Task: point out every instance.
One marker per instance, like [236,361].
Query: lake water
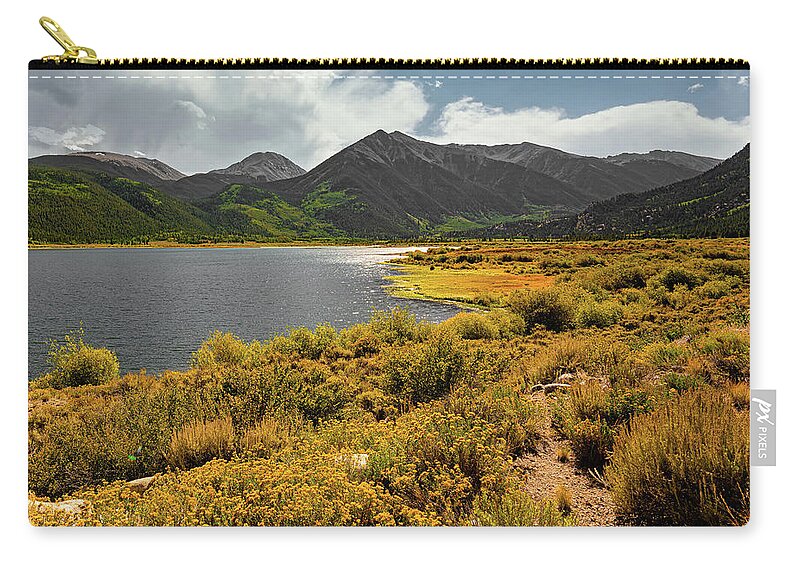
[154,307]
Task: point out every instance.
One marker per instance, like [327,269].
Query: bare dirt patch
[543,473]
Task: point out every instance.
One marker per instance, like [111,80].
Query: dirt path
[543,473]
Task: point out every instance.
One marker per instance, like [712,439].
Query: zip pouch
[381,292]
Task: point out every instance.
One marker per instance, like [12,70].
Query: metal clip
[72,53]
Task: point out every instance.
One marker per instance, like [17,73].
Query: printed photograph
[410,297]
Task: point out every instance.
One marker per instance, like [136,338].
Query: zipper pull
[72,52]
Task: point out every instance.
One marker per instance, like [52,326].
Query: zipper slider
[72,52]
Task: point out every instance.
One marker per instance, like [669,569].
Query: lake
[154,307]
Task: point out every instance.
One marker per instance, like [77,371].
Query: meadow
[588,383]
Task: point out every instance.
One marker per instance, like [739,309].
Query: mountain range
[715,203]
[386,185]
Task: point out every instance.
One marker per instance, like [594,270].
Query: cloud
[195,111]
[349,110]
[744,81]
[641,127]
[75,139]
[310,119]
[696,87]
[197,125]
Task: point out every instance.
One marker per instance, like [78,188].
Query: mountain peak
[263,165]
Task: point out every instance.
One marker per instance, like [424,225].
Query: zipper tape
[383,63]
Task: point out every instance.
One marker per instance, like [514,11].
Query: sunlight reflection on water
[153,307]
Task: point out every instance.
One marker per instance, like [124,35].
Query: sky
[200,120]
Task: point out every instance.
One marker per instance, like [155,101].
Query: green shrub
[75,363]
[509,325]
[685,464]
[83,447]
[397,326]
[225,350]
[426,371]
[587,260]
[624,403]
[728,353]
[472,326]
[321,400]
[601,315]
[304,343]
[667,356]
[737,268]
[680,297]
[674,276]
[361,339]
[618,277]
[715,289]
[498,323]
[553,308]
[682,382]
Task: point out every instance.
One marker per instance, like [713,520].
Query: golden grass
[461,285]
[563,499]
[686,463]
[200,442]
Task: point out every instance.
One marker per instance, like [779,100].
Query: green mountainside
[251,211]
[73,207]
[385,186]
[66,206]
[713,204]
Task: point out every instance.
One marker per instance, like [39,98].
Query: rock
[565,378]
[69,507]
[360,460]
[140,485]
[357,461]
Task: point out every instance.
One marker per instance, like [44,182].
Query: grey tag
[762,427]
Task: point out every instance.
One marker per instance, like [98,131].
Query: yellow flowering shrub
[309,491]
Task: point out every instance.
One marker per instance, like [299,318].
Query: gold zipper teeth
[387,63]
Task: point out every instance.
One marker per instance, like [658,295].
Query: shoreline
[163,244]
[224,245]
